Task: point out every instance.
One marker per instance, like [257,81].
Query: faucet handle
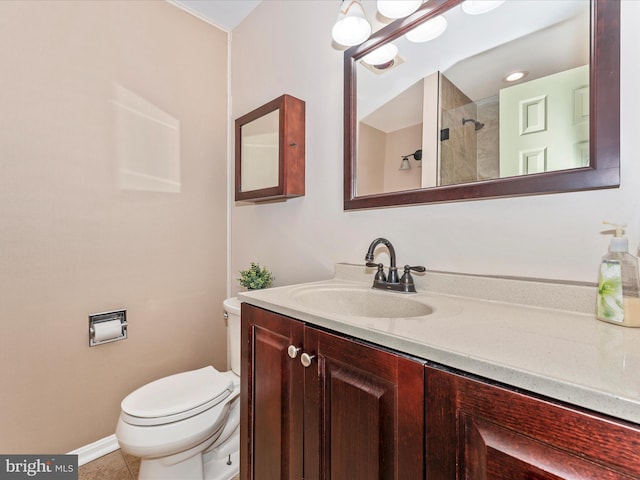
[417,268]
[407,280]
[380,276]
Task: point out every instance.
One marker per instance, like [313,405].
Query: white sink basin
[360,302]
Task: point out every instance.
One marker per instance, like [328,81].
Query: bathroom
[76,238]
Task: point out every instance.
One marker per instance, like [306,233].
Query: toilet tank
[232,309]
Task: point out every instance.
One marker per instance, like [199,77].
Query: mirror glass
[443,116]
[260,154]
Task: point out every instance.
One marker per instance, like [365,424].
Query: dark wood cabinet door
[364,412]
[271,428]
[476,431]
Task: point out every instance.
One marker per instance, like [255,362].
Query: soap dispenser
[618,284]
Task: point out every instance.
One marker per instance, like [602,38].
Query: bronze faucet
[391,282]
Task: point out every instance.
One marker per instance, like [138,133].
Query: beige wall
[402,142]
[380,154]
[87,90]
[550,236]
[371,159]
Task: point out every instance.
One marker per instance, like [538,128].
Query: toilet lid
[177,396]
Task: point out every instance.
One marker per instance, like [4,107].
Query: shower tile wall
[469,154]
[488,140]
[458,154]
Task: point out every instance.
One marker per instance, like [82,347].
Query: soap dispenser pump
[618,284]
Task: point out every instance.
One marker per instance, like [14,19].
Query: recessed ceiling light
[478,7]
[515,76]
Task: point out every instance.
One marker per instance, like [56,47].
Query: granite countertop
[537,335]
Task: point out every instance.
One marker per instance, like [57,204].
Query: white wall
[550,236]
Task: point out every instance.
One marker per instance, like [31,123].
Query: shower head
[477,124]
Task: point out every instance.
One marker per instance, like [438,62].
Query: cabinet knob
[306,359]
[292,351]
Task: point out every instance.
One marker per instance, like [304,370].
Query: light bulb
[381,55]
[398,8]
[352,27]
[428,30]
[404,164]
[478,7]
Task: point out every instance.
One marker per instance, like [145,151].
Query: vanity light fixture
[351,27]
[382,55]
[405,165]
[428,30]
[515,76]
[398,8]
[478,7]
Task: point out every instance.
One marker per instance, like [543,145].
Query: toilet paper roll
[107,330]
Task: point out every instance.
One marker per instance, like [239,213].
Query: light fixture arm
[417,155]
[345,11]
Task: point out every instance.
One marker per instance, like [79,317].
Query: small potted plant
[255,277]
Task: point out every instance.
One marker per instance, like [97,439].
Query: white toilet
[186,426]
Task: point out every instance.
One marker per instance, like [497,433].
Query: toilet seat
[173,439]
[176,397]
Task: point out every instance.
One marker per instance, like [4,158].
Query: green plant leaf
[255,277]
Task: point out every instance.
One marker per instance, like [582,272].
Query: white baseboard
[96,449]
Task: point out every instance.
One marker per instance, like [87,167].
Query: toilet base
[218,469]
[190,469]
[223,462]
[220,463]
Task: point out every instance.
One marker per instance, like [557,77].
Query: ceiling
[226,14]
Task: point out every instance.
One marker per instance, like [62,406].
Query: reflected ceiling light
[515,76]
[478,7]
[428,30]
[398,8]
[381,55]
[351,27]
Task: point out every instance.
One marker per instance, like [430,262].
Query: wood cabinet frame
[604,84]
[291,150]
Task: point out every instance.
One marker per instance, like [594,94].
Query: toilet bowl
[186,426]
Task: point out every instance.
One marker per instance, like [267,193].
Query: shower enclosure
[469,136]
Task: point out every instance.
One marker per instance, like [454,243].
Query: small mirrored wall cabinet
[270,151]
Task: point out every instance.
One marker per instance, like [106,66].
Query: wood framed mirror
[594,110]
[270,151]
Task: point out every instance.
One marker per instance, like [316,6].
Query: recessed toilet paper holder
[107,327]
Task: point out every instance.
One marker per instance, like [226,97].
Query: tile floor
[114,466]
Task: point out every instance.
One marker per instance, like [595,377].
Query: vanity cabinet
[360,412]
[478,431]
[356,412]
